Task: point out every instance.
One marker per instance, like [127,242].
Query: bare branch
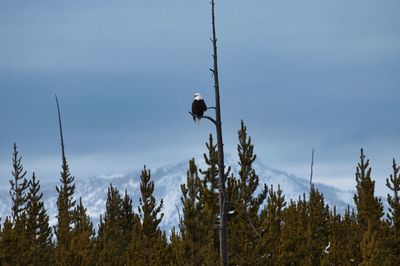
[205,117]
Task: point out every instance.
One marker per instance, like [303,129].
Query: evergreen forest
[264,227]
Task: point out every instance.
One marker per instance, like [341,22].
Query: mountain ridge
[168,179]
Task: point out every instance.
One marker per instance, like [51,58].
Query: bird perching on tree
[198,107]
[223,226]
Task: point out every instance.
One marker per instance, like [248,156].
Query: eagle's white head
[198,97]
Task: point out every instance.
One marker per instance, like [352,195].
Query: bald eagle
[198,107]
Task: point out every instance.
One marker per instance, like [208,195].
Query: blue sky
[322,74]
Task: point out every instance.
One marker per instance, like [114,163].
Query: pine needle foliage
[18,189]
[369,207]
[82,240]
[39,233]
[7,243]
[193,229]
[271,218]
[393,183]
[110,241]
[246,204]
[393,216]
[149,244]
[19,185]
[263,228]
[65,205]
[317,230]
[209,202]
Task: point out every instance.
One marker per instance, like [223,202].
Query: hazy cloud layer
[307,74]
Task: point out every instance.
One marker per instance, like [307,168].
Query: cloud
[321,75]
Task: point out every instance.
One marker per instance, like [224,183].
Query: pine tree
[369,213]
[271,218]
[369,207]
[333,251]
[110,239]
[18,190]
[1,244]
[177,247]
[149,243]
[344,245]
[352,236]
[65,205]
[293,241]
[317,233]
[192,228]
[128,219]
[198,241]
[393,216]
[246,205]
[7,243]
[82,246]
[19,185]
[209,200]
[197,228]
[39,234]
[248,179]
[372,250]
[393,183]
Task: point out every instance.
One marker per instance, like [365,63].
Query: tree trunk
[223,229]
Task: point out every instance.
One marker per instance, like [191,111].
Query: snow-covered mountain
[167,180]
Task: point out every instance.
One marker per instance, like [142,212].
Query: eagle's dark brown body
[198,109]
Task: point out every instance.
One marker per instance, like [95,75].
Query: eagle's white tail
[197,120]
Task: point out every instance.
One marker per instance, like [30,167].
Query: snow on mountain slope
[167,187]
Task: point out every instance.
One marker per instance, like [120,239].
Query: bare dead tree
[60,128]
[223,229]
[312,165]
[223,226]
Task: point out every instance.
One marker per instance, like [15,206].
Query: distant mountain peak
[168,179]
